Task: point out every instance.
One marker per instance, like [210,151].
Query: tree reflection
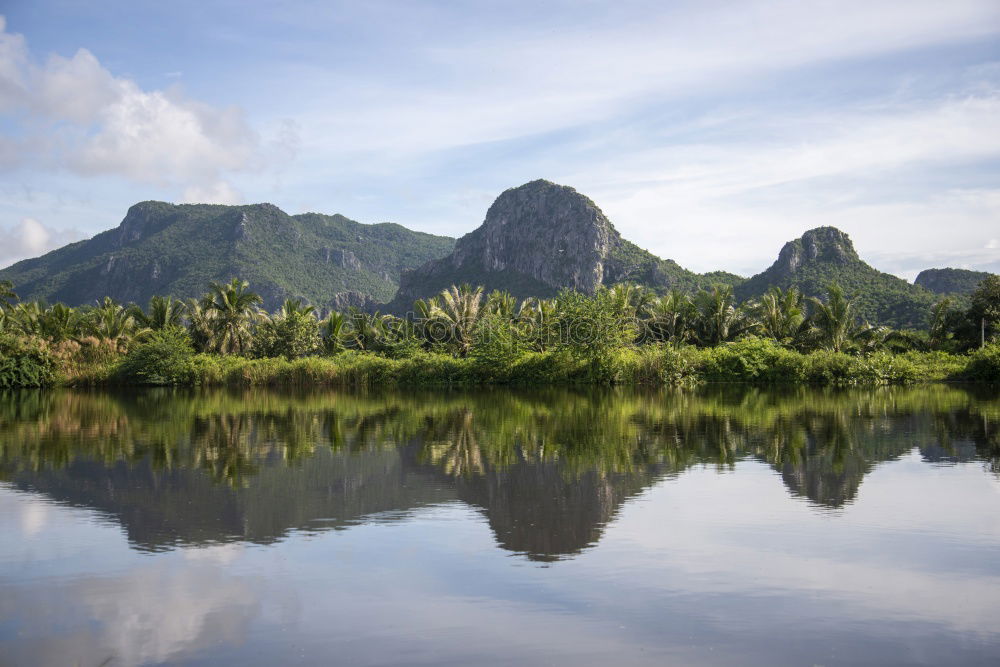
[549,467]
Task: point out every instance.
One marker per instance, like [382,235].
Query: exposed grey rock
[536,239]
[343,258]
[827,244]
[547,231]
[343,300]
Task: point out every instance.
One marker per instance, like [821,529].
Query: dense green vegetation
[162,248]
[824,256]
[950,281]
[626,334]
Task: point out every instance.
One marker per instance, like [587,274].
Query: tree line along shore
[620,335]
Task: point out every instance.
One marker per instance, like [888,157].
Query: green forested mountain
[951,281]
[542,237]
[535,240]
[826,255]
[177,250]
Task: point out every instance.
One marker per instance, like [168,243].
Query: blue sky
[709,133]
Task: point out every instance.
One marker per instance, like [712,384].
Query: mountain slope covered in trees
[535,240]
[177,250]
[826,255]
[951,281]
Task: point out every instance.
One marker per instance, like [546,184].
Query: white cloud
[73,112]
[733,204]
[219,192]
[532,78]
[30,238]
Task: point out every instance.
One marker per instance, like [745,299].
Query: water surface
[565,527]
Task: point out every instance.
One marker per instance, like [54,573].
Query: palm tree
[629,299]
[428,320]
[235,309]
[26,318]
[199,323]
[538,318]
[113,324]
[461,307]
[718,319]
[781,314]
[293,307]
[669,319]
[834,323]
[164,311]
[7,295]
[332,332]
[940,329]
[502,304]
[365,331]
[59,323]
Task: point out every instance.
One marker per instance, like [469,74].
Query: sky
[709,132]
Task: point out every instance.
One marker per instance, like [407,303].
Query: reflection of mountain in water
[548,469]
[535,509]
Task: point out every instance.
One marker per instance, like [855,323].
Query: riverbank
[753,361]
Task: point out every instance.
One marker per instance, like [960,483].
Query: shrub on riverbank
[166,358]
[984,364]
[748,361]
[26,362]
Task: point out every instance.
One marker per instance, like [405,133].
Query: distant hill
[825,255]
[542,237]
[951,281]
[161,248]
[535,240]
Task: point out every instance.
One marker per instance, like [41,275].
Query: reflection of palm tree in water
[222,446]
[458,452]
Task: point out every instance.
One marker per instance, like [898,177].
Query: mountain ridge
[951,281]
[826,255]
[177,249]
[536,239]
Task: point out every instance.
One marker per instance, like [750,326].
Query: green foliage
[885,368]
[162,312]
[292,333]
[950,281]
[718,320]
[165,358]
[622,335]
[171,249]
[7,295]
[752,360]
[984,311]
[496,345]
[231,310]
[834,323]
[26,362]
[781,315]
[591,327]
[826,367]
[936,366]
[984,364]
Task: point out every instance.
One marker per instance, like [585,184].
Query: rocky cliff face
[537,239]
[823,244]
[549,232]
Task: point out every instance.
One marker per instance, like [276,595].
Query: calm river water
[561,527]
